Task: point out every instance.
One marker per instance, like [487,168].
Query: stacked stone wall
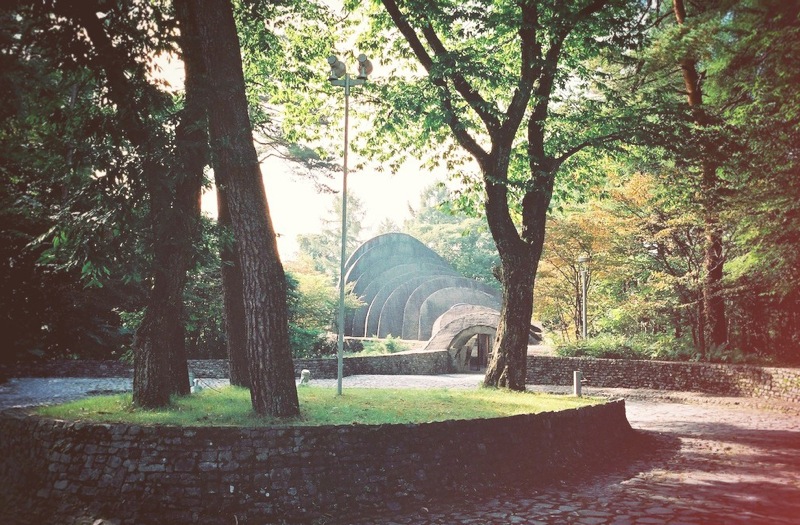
[141,475]
[719,379]
[403,363]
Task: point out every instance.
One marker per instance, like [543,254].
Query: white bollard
[576,383]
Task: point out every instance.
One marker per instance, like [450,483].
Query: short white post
[576,383]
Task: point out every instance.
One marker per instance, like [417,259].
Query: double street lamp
[340,77]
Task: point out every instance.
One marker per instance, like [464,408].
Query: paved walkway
[719,461]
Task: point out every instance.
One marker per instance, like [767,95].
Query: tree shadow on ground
[641,452]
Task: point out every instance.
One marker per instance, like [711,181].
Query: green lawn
[320,406]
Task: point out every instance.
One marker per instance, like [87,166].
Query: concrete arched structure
[411,292]
[391,316]
[371,282]
[459,312]
[390,245]
[442,300]
[388,282]
[385,238]
[457,326]
[368,264]
[411,311]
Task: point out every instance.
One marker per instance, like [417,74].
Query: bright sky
[295,204]
[297,207]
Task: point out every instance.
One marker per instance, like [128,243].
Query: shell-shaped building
[411,292]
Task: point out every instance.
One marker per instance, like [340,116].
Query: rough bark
[508,366]
[233,305]
[713,303]
[272,386]
[233,301]
[160,368]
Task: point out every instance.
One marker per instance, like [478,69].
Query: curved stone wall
[719,379]
[148,475]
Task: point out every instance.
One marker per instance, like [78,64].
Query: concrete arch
[442,300]
[462,311]
[374,242]
[358,322]
[375,262]
[388,282]
[391,316]
[461,338]
[378,259]
[376,256]
[470,320]
[378,249]
[395,275]
[411,311]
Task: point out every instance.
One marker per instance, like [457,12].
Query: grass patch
[230,406]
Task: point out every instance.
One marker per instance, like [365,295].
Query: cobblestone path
[720,465]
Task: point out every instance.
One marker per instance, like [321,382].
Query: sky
[297,207]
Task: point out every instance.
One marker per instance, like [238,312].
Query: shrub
[390,345]
[640,346]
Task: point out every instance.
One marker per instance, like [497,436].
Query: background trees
[97,195]
[495,77]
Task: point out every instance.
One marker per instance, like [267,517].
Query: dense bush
[627,347]
[390,345]
[311,343]
[645,346]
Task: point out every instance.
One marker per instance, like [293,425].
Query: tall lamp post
[583,261]
[340,77]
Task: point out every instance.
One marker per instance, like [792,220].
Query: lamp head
[338,68]
[364,66]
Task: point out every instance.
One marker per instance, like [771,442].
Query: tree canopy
[661,141]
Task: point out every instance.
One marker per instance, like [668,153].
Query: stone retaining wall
[411,363]
[719,379]
[141,475]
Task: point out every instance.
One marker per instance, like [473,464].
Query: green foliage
[203,299]
[463,241]
[313,307]
[389,345]
[284,46]
[654,347]
[639,346]
[231,406]
[324,249]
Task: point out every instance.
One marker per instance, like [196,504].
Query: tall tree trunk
[713,303]
[160,367]
[233,304]
[272,386]
[508,366]
[519,259]
[233,300]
